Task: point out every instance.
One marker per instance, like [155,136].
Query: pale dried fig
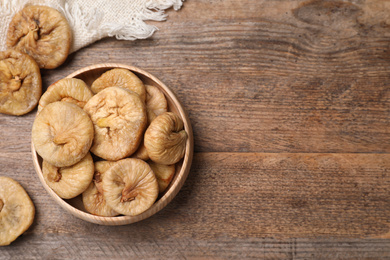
[130,187]
[62,133]
[93,199]
[164,174]
[20,83]
[156,104]
[165,139]
[119,78]
[69,182]
[141,152]
[69,89]
[16,210]
[119,119]
[43,33]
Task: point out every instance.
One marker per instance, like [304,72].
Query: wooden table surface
[290,106]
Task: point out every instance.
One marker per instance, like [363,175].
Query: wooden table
[290,106]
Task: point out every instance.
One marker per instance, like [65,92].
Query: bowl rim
[174,187]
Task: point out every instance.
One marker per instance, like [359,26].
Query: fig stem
[33,26]
[97,177]
[183,133]
[127,199]
[128,194]
[34,29]
[15,86]
[60,139]
[1,205]
[55,176]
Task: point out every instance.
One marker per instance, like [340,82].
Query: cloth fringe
[88,24]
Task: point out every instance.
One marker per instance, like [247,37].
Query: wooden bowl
[75,205]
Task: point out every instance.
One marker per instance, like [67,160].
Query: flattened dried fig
[43,33]
[119,118]
[62,133]
[156,104]
[70,90]
[164,174]
[20,83]
[165,139]
[69,182]
[16,210]
[119,78]
[130,186]
[93,199]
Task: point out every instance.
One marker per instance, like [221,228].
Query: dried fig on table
[20,83]
[165,139]
[62,133]
[156,104]
[93,198]
[164,174]
[119,78]
[70,90]
[69,182]
[130,187]
[43,33]
[119,119]
[16,210]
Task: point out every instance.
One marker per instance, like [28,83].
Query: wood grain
[290,106]
[245,204]
[291,82]
[268,195]
[221,248]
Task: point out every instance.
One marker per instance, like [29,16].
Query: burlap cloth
[92,20]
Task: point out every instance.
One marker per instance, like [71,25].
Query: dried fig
[20,83]
[156,104]
[130,186]
[119,118]
[164,174]
[141,152]
[16,210]
[70,90]
[119,78]
[93,199]
[165,139]
[69,182]
[62,133]
[43,33]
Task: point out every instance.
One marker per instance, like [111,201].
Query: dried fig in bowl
[119,119]
[164,174]
[93,198]
[130,187]
[70,90]
[43,33]
[156,103]
[20,83]
[165,139]
[120,78]
[141,152]
[62,133]
[69,182]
